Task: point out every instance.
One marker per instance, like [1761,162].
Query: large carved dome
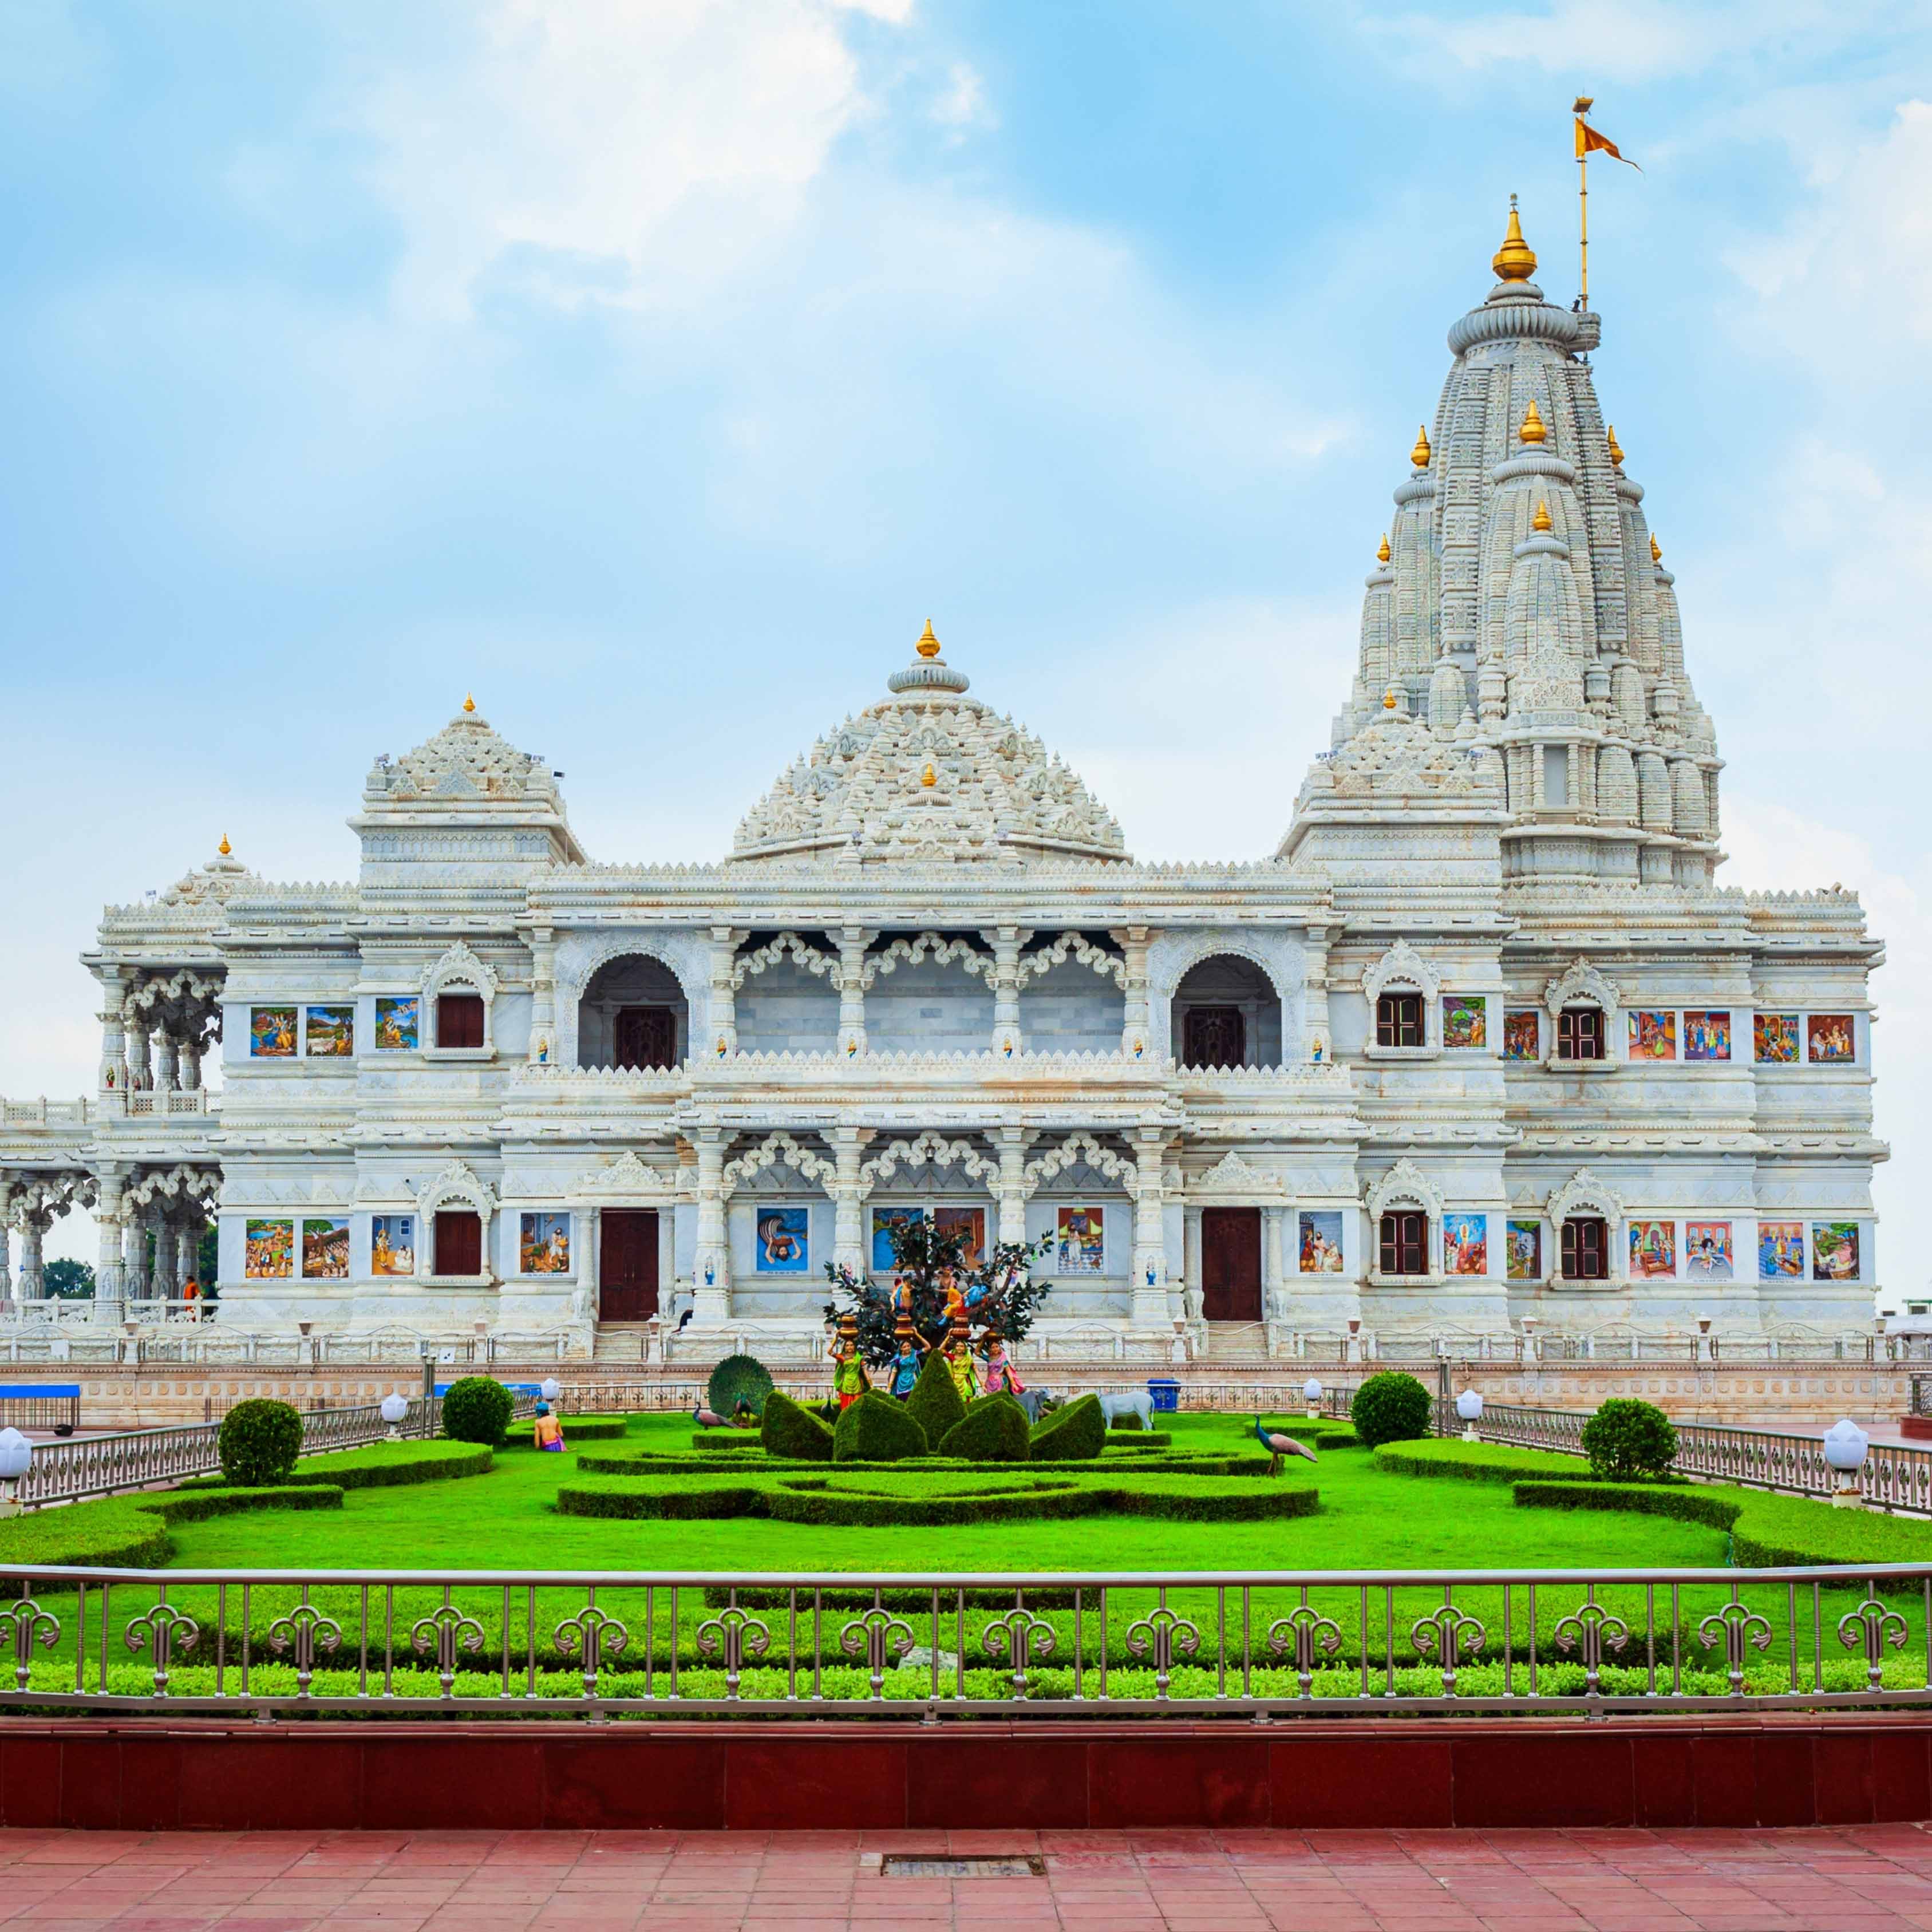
[930,774]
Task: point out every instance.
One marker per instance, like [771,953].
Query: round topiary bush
[995,1430]
[793,1433]
[1627,1438]
[260,1442]
[1077,1433]
[1129,1418]
[477,1409]
[1390,1408]
[876,1429]
[738,1378]
[935,1403]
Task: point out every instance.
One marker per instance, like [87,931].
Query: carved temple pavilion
[1482,1046]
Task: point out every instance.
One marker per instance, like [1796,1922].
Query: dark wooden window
[1580,1033]
[1214,1036]
[459,1019]
[1586,1248]
[459,1242]
[646,1036]
[1405,1243]
[1398,1020]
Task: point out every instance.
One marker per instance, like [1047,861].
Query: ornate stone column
[1008,1039]
[1190,1250]
[166,1063]
[6,1238]
[1150,1281]
[188,1252]
[1136,1032]
[1011,1191]
[853,940]
[113,1076]
[543,997]
[140,1075]
[34,1222]
[191,1064]
[134,1253]
[167,1284]
[1317,1041]
[723,1036]
[711,1268]
[848,1199]
[107,1272]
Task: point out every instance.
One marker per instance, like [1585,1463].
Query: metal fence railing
[1253,1645]
[40,1405]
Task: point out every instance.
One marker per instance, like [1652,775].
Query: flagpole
[1581,108]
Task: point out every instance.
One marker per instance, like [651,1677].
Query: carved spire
[1515,261]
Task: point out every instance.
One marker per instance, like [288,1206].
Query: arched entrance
[1226,1013]
[633,1014]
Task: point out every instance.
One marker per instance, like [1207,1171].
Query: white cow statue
[1141,1404]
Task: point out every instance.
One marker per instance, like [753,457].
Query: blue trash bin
[1166,1394]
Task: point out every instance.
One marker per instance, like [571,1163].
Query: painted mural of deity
[1834,1251]
[324,1250]
[970,1224]
[1707,1036]
[1523,1034]
[1321,1242]
[270,1254]
[1653,1036]
[1465,1020]
[1466,1244]
[543,1244]
[1707,1250]
[271,1033]
[392,1244]
[1523,1245]
[1775,1038]
[1832,1038]
[784,1240]
[1780,1250]
[1080,1244]
[398,1025]
[1653,1248]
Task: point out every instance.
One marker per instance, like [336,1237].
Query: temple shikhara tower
[1484,1047]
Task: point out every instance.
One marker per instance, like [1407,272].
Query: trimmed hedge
[712,1440]
[1773,1530]
[1625,1439]
[379,1465]
[477,1409]
[1686,1502]
[576,1429]
[1391,1408]
[259,1441]
[994,1430]
[935,1403]
[647,1463]
[876,1429]
[1076,1433]
[1481,1461]
[792,1431]
[1138,1441]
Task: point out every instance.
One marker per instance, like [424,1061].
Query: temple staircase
[1236,1341]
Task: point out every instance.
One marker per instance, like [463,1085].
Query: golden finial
[1540,521]
[928,646]
[1382,549]
[1388,699]
[1419,455]
[928,776]
[1616,448]
[1515,261]
[468,703]
[224,848]
[1532,429]
[1656,549]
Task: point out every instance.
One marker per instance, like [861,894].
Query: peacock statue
[1278,1446]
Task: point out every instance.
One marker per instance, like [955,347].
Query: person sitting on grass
[549,1430]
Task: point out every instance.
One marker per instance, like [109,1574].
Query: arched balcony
[1226,1012]
[633,1014]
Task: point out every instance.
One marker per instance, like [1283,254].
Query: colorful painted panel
[1780,1250]
[1653,1036]
[543,1244]
[392,1244]
[1832,1039]
[1834,1251]
[1466,1244]
[1465,1020]
[1707,1036]
[968,1222]
[1321,1242]
[1653,1248]
[271,1252]
[324,1250]
[1080,1244]
[1524,1248]
[271,1033]
[1523,1034]
[884,1220]
[1774,1038]
[784,1240]
[330,1033]
[398,1025]
[1707,1250]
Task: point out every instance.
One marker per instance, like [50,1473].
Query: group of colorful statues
[977,1369]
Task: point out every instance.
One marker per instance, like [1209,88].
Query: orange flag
[1589,142]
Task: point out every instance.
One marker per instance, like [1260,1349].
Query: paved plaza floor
[1845,1879]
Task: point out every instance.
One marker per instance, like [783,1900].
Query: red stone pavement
[1542,1881]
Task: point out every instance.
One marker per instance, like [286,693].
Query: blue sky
[655,370]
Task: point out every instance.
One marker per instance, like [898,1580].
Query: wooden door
[1214,1036]
[646,1036]
[1231,1263]
[627,1270]
[459,1242]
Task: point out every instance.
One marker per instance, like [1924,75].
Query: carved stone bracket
[774,1150]
[928,1149]
[942,952]
[1076,1148]
[825,964]
[1096,958]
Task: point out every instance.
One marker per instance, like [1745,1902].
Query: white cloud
[964,104]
